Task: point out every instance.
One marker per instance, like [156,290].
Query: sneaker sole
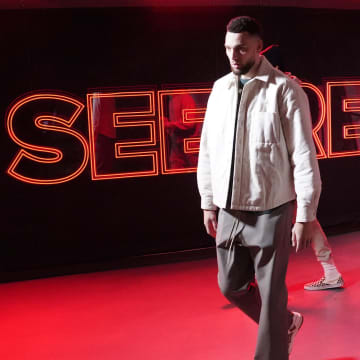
[323,287]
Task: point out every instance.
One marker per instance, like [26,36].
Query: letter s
[51,151]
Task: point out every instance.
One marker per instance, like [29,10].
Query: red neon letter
[343,103]
[321,119]
[42,163]
[181,117]
[119,121]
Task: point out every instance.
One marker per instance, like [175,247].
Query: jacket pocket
[265,128]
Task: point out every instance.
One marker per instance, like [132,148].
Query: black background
[73,50]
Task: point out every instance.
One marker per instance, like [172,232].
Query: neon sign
[46,155]
[147,133]
[181,114]
[104,119]
[343,98]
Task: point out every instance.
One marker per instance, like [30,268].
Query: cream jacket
[275,158]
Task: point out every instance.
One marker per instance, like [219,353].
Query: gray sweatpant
[256,244]
[320,244]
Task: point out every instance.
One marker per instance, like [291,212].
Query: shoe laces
[318,282]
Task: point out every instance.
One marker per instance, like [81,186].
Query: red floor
[171,312]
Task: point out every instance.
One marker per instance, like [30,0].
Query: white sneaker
[297,321]
[322,284]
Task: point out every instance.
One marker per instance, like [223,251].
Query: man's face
[242,50]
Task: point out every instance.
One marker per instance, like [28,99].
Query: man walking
[256,157]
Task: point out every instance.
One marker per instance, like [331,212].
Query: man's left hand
[302,234]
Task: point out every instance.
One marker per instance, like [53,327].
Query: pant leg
[320,244]
[248,242]
[236,274]
[236,280]
[268,240]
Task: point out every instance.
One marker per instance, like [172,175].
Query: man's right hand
[302,234]
[210,222]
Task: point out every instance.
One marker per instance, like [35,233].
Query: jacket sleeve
[204,166]
[297,128]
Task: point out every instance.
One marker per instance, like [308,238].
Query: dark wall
[73,50]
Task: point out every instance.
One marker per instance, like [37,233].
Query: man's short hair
[244,24]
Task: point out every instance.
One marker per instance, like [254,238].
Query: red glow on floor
[171,312]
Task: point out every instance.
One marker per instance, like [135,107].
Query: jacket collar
[263,73]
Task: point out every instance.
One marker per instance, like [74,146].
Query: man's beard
[243,70]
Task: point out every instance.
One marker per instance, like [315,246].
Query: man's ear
[260,45]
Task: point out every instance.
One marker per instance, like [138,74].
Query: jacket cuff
[207,203]
[305,214]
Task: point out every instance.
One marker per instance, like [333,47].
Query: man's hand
[210,222]
[302,234]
